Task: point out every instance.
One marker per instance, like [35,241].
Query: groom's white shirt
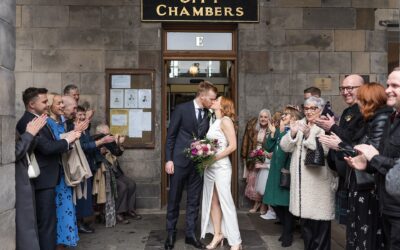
[196,109]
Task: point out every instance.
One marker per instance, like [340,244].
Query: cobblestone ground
[149,233]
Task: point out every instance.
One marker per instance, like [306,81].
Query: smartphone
[349,152]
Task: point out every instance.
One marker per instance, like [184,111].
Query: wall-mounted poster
[131,98]
[119,121]
[145,98]
[120,81]
[135,125]
[116,98]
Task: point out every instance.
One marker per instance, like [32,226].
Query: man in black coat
[48,155]
[350,122]
[188,119]
[382,160]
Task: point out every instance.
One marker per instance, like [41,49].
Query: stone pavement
[149,233]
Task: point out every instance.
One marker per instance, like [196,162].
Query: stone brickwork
[298,41]
[74,41]
[7,124]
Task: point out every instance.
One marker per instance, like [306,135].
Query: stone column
[7,124]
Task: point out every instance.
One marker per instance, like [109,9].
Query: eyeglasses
[310,109]
[285,113]
[349,88]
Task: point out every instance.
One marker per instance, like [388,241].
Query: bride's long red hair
[228,109]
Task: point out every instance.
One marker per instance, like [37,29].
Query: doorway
[186,65]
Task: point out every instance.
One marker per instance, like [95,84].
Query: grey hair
[100,128]
[317,101]
[258,119]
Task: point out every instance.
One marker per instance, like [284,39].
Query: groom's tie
[199,116]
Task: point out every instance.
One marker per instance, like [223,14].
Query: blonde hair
[50,101]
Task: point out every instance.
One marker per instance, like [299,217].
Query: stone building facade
[60,42]
[7,124]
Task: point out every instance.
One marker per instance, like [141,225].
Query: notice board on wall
[130,105]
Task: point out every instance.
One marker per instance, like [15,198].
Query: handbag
[284,181]
[364,180]
[315,158]
[33,166]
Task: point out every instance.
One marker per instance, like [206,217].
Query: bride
[217,198]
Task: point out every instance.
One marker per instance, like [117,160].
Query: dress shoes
[134,215]
[85,229]
[121,219]
[169,242]
[194,242]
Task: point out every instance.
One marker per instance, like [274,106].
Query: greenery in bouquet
[257,155]
[202,153]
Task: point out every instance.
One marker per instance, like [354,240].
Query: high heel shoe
[255,208]
[237,247]
[213,244]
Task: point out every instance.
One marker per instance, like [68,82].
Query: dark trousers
[126,190]
[46,218]
[316,234]
[287,220]
[194,184]
[391,229]
[84,206]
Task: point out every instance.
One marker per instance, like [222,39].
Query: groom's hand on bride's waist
[169,167]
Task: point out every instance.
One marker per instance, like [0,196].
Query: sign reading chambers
[200,10]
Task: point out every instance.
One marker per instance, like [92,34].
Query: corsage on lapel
[348,117]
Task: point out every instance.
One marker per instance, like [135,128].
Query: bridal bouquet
[202,153]
[257,155]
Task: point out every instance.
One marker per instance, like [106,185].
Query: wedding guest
[48,155]
[25,216]
[73,91]
[312,189]
[255,135]
[351,121]
[67,229]
[314,91]
[278,196]
[384,162]
[126,187]
[364,224]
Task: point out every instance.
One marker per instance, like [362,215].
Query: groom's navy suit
[183,126]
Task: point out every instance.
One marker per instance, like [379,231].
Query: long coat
[25,217]
[249,142]
[312,189]
[274,194]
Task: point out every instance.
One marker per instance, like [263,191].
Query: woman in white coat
[312,189]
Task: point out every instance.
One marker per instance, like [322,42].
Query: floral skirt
[250,191]
[364,222]
[67,230]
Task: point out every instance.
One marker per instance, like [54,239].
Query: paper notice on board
[120,81]
[145,98]
[116,98]
[131,98]
[146,121]
[119,121]
[135,123]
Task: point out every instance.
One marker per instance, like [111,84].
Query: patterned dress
[250,190]
[67,230]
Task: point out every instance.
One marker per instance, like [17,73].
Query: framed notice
[130,105]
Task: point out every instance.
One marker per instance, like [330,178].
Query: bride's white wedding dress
[220,174]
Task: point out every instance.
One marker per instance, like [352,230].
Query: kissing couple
[218,215]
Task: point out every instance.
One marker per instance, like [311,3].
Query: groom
[188,120]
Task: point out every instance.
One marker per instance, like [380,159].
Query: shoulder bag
[33,166]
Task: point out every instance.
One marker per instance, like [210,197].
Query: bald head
[349,87]
[70,107]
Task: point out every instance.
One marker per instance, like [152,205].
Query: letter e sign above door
[199,41]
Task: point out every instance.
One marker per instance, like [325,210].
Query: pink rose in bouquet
[257,155]
[202,153]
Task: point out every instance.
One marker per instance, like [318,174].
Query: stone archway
[7,123]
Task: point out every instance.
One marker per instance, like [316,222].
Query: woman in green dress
[277,196]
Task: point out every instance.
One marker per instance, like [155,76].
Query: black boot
[170,241]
